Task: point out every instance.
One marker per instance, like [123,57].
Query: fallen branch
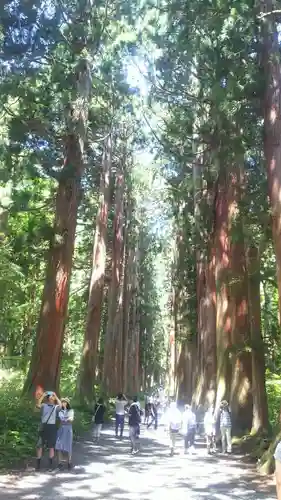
[271,13]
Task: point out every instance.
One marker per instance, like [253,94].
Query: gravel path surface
[109,472]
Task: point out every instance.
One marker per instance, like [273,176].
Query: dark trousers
[189,439]
[119,422]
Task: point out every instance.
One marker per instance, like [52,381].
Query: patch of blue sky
[136,75]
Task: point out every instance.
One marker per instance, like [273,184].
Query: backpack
[135,413]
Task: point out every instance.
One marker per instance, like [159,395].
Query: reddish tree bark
[46,357]
[134,371]
[210,355]
[44,367]
[175,375]
[241,383]
[185,370]
[201,324]
[89,361]
[206,288]
[223,202]
[130,356]
[241,378]
[200,273]
[272,125]
[206,342]
[109,381]
[136,344]
[130,257]
[118,333]
[260,408]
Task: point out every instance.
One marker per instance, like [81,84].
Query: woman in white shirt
[65,433]
[120,405]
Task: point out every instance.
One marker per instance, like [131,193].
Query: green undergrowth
[19,422]
[253,446]
[265,459]
[260,448]
[19,419]
[273,389]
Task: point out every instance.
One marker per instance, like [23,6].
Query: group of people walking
[133,409]
[60,439]
[186,424]
[176,423]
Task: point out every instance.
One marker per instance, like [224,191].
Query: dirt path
[109,472]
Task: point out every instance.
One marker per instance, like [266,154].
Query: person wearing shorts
[49,405]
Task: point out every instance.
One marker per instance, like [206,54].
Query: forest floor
[107,471]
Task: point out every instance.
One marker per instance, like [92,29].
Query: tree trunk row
[227,355]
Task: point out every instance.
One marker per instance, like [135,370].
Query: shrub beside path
[109,472]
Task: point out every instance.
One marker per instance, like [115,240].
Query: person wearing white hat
[225,426]
[65,433]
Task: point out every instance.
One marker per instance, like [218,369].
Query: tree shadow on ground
[108,471]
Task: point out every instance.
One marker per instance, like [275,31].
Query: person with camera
[49,405]
[65,433]
[120,404]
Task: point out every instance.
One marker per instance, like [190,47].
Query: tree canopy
[140,199]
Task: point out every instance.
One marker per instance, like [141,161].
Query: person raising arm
[49,405]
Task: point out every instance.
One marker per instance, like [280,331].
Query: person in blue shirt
[189,428]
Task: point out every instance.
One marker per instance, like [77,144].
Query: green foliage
[205,87]
[19,426]
[273,389]
[38,90]
[19,423]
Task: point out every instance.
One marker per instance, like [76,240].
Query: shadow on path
[108,471]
